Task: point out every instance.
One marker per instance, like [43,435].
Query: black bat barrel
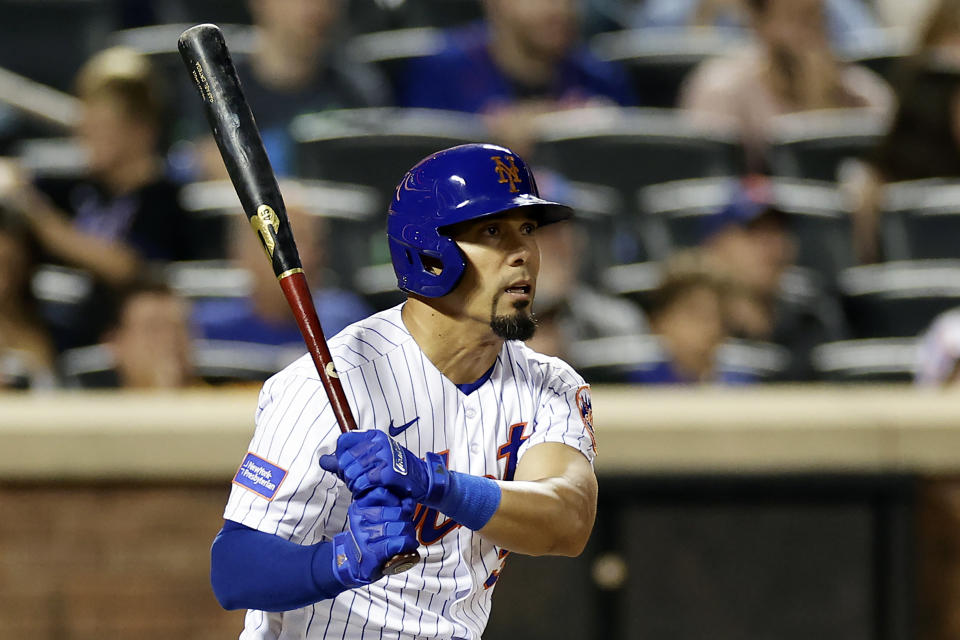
[204,52]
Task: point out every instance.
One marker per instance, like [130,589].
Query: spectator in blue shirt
[523,60]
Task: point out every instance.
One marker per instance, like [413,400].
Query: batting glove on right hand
[368,459]
[380,527]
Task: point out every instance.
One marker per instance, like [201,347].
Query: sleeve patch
[260,476]
[585,408]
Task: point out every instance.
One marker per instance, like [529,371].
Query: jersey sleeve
[564,414]
[279,487]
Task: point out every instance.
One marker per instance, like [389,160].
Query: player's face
[500,279]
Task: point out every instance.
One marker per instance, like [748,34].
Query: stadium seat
[349,208]
[390,51]
[442,13]
[610,360]
[635,281]
[377,146]
[48,41]
[51,157]
[597,208]
[193,279]
[196,11]
[63,303]
[674,214]
[159,44]
[214,361]
[631,148]
[898,299]
[880,50]
[869,360]
[659,59]
[920,219]
[814,145]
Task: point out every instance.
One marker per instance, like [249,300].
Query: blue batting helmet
[462,183]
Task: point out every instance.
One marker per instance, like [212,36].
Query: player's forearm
[547,517]
[250,569]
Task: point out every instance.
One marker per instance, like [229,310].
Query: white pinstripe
[386,377]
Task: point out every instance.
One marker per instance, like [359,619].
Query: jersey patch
[585,405]
[260,476]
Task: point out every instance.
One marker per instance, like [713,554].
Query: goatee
[517,326]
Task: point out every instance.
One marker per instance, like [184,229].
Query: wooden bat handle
[295,289]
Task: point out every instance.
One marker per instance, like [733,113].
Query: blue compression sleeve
[250,569]
[471,500]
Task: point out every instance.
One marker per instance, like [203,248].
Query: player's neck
[461,349]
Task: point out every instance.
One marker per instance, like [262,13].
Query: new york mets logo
[507,171]
[267,224]
[585,407]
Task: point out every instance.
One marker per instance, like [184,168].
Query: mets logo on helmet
[507,172]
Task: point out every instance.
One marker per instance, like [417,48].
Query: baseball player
[471,444]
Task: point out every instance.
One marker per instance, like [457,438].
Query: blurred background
[762,284]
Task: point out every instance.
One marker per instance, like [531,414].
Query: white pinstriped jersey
[527,400]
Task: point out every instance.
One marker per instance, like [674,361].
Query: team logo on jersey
[585,405]
[585,408]
[508,172]
[260,476]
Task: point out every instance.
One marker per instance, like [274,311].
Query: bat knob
[400,563]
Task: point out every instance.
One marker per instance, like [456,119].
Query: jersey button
[470,412]
[475,448]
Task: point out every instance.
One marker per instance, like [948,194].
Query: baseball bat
[205,53]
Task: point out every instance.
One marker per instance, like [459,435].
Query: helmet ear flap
[431,269]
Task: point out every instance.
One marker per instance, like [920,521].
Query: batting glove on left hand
[368,459]
[380,526]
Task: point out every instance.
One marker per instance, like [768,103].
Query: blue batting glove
[380,527]
[368,459]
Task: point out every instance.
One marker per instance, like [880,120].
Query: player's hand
[380,527]
[368,459]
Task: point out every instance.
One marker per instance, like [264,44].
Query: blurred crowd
[769,189]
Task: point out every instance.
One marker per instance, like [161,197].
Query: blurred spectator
[924,137]
[790,68]
[297,66]
[150,343]
[264,316]
[567,308]
[938,352]
[124,211]
[687,315]
[522,61]
[750,241]
[147,344]
[26,353]
[848,21]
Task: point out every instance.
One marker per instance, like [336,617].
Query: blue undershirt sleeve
[250,569]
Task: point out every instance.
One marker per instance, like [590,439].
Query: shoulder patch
[260,476]
[585,407]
